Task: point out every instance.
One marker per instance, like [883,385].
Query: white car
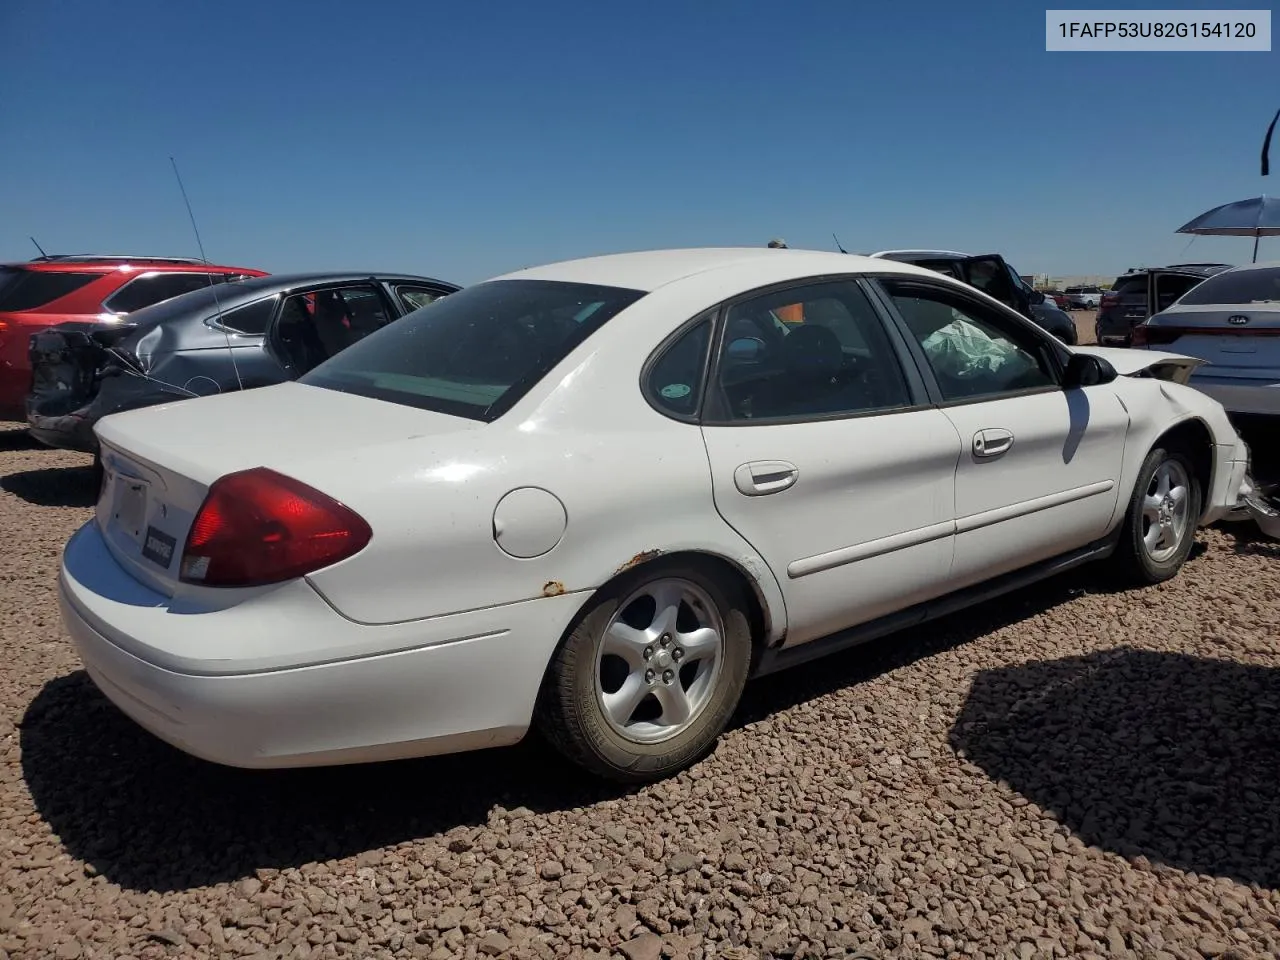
[1232,322]
[596,497]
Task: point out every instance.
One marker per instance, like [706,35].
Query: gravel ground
[1070,771]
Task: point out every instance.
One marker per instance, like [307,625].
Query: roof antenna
[837,240]
[40,248]
[213,283]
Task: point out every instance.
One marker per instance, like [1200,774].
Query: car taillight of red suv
[54,289]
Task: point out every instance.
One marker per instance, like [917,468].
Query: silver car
[1231,321]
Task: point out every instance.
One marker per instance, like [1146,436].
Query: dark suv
[991,274]
[1131,298]
[102,288]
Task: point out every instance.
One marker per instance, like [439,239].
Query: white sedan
[597,497]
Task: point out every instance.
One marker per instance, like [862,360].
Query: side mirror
[745,348]
[1087,370]
[1036,296]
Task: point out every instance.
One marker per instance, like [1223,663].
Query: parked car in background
[1232,322]
[1059,298]
[996,278]
[1142,291]
[49,290]
[1084,297]
[227,337]
[439,537]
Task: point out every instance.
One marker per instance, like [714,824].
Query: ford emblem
[1238,319]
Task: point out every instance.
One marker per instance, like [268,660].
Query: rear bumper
[1261,397]
[52,424]
[444,685]
[71,431]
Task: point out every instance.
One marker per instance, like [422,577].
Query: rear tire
[650,675]
[1161,520]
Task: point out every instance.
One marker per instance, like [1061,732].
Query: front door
[826,457]
[1039,464]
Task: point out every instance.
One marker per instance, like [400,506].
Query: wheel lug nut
[677,654]
[666,639]
[668,676]
[649,676]
[648,653]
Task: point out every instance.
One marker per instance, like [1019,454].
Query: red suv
[54,289]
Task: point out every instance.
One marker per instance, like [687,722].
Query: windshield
[476,352]
[1245,286]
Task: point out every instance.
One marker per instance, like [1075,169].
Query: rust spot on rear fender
[644,556]
[552,588]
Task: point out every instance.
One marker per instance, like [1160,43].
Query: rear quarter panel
[634,485]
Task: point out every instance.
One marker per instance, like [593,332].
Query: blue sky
[463,140]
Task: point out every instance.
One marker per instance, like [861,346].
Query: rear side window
[415,298]
[32,289]
[154,288]
[476,352]
[251,320]
[674,383]
[1246,286]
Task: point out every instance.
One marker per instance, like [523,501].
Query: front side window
[974,352]
[474,353]
[1237,288]
[810,352]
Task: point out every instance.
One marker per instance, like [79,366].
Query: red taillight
[1145,335]
[258,526]
[1108,301]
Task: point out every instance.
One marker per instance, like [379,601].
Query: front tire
[1160,524]
[649,676]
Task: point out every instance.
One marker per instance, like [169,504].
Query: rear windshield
[1247,286]
[476,352]
[32,289]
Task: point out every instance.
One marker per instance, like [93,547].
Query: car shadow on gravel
[800,684]
[18,439]
[53,486]
[1247,539]
[149,817]
[1166,756]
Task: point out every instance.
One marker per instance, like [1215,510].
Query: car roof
[648,270]
[922,254]
[106,263]
[1245,267]
[1191,269]
[228,296]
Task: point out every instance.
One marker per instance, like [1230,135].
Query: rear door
[826,456]
[317,323]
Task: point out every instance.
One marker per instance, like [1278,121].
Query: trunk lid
[1238,342]
[159,462]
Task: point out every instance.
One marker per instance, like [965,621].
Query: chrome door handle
[992,442]
[760,477]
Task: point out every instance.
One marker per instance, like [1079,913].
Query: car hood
[1174,367]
